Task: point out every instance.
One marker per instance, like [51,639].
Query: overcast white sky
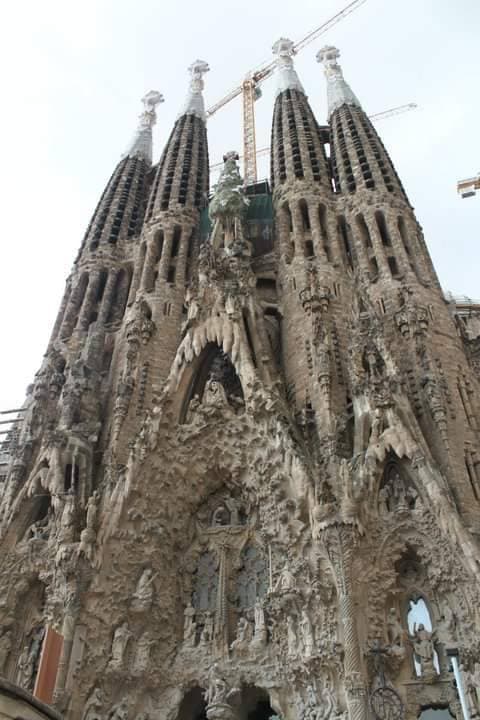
[73,73]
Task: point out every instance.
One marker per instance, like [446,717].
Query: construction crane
[250,91]
[468,188]
[375,118]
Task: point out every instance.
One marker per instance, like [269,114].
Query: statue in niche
[394,628]
[207,632]
[119,711]
[189,625]
[286,581]
[214,395]
[120,640]
[92,510]
[5,648]
[143,595]
[422,642]
[292,643]
[306,629]
[92,710]
[244,635]
[142,654]
[260,634]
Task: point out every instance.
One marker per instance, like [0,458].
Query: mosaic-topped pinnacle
[338,91]
[141,145]
[194,104]
[287,78]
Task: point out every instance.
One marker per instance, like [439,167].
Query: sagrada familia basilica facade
[246,484]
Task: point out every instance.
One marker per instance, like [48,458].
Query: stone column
[378,247]
[165,259]
[73,308]
[317,236]
[221,612]
[108,296]
[137,273]
[339,543]
[148,272]
[90,299]
[68,632]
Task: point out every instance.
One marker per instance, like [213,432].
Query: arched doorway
[193,706]
[255,704]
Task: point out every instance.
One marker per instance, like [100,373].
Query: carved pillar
[317,235]
[90,299]
[165,259]
[378,247]
[73,307]
[149,265]
[108,296]
[221,613]
[339,543]
[68,632]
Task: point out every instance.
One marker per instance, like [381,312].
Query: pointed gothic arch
[212,365]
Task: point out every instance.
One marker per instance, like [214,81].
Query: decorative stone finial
[287,78]
[338,91]
[141,145]
[194,104]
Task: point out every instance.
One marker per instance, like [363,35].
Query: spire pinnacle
[141,145]
[338,91]
[287,78]
[194,104]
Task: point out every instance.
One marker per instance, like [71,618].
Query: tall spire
[287,78]
[141,145]
[338,91]
[195,104]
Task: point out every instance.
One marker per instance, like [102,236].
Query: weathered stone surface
[241,466]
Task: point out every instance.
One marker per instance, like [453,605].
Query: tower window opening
[392,264]
[345,240]
[177,234]
[101,286]
[363,231]
[309,253]
[382,228]
[249,339]
[322,218]
[187,138]
[71,478]
[381,304]
[171,274]
[304,215]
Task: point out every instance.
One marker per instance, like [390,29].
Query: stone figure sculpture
[422,641]
[306,630]
[189,625]
[120,640]
[142,598]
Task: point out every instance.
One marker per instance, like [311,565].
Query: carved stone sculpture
[423,647]
[120,640]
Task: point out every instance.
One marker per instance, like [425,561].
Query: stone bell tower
[247,484]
